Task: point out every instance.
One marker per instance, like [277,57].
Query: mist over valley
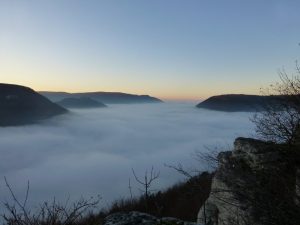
[92,151]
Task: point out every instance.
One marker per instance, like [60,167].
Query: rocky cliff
[256,183]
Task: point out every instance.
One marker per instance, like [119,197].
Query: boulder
[138,218]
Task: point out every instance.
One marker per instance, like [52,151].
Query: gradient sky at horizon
[170,49]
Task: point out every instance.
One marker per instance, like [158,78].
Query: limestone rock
[133,218]
[138,218]
[254,152]
[238,167]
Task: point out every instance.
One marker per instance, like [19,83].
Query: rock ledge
[138,218]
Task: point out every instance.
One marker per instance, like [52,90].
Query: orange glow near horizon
[159,87]
[186,94]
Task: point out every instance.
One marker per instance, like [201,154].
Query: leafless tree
[180,169]
[48,213]
[146,183]
[130,190]
[280,119]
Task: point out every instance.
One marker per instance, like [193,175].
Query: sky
[171,49]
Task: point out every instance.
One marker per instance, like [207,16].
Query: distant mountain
[237,102]
[22,105]
[104,97]
[82,102]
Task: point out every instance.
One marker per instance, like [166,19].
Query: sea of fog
[92,152]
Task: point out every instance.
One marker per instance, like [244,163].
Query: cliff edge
[257,183]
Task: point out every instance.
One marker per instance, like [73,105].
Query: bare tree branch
[52,213]
[147,182]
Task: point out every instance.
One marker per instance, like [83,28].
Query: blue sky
[166,48]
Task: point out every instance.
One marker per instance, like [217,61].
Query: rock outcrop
[253,184]
[138,218]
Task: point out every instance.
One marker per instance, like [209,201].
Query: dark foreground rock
[21,105]
[138,218]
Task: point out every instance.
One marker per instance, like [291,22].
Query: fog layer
[90,152]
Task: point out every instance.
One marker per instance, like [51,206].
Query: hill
[104,97]
[237,103]
[82,102]
[21,105]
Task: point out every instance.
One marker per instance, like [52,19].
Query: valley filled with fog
[92,151]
